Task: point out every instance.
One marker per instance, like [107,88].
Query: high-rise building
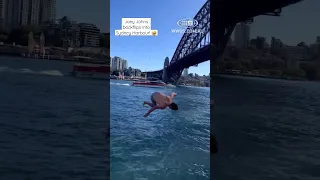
[30,12]
[242,35]
[276,43]
[118,64]
[315,48]
[26,12]
[48,11]
[14,13]
[89,35]
[3,12]
[124,64]
[185,72]
[35,11]
[115,61]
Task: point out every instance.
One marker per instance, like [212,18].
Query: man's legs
[146,102]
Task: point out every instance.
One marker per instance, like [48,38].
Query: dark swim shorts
[152,100]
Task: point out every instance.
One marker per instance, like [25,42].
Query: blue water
[51,125]
[167,144]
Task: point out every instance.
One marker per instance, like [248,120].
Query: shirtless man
[161,101]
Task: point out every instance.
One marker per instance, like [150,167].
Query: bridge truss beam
[190,41]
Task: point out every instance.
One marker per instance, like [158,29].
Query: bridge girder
[222,27]
[190,41]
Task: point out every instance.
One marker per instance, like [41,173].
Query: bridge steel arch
[190,41]
[223,26]
[187,45]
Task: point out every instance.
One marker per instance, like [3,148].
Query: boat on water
[93,71]
[149,83]
[152,83]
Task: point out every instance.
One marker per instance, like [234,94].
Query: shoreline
[176,85]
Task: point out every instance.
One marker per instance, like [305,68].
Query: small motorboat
[171,86]
[94,71]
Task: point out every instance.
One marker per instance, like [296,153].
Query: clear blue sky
[299,22]
[148,53]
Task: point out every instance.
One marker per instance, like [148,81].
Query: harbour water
[52,127]
[51,124]
[167,144]
[266,129]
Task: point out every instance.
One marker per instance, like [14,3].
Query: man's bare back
[161,101]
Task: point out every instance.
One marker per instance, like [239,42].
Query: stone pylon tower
[42,42]
[164,73]
[30,43]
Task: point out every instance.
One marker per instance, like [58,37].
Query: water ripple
[167,144]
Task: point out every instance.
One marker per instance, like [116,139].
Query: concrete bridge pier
[164,73]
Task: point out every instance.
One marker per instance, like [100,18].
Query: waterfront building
[70,33]
[242,35]
[89,35]
[296,51]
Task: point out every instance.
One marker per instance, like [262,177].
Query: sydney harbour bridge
[195,48]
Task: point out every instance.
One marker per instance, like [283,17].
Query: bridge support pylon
[164,73]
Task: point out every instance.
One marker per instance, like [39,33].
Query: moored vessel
[94,71]
[149,83]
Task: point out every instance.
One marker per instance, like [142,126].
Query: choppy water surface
[51,125]
[167,144]
[266,129]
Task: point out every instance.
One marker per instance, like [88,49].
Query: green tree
[294,72]
[274,72]
[263,72]
[115,73]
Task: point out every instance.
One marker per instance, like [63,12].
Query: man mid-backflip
[161,101]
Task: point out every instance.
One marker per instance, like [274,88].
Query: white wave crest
[29,71]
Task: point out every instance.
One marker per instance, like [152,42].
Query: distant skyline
[85,11]
[298,22]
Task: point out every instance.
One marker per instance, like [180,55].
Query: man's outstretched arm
[151,110]
[154,108]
